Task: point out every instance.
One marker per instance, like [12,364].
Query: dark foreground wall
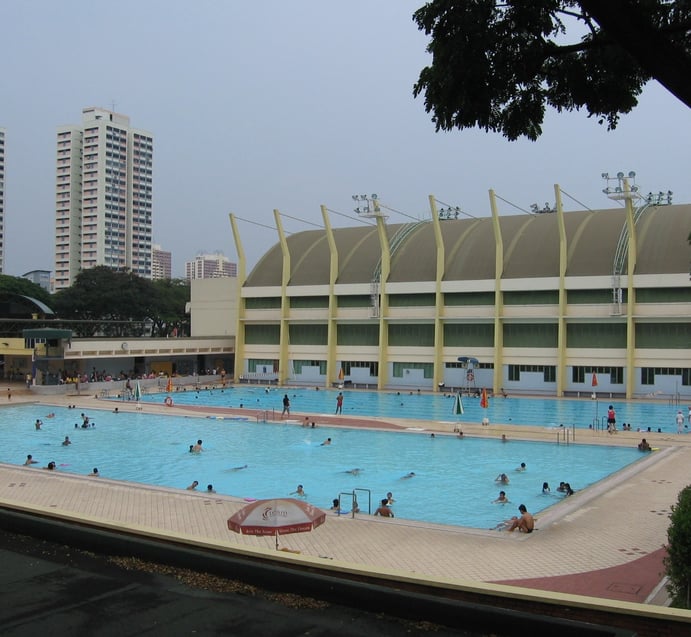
[476,613]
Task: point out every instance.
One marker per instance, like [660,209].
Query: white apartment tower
[103,203]
[210,266]
[2,200]
[161,263]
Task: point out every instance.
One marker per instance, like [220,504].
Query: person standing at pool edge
[286,406]
[611,420]
[339,403]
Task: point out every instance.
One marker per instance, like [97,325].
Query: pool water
[454,480]
[438,407]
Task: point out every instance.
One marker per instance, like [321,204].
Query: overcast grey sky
[288,105]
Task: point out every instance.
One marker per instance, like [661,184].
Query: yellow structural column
[383,378]
[284,338]
[438,297]
[331,326]
[498,295]
[238,368]
[630,291]
[561,320]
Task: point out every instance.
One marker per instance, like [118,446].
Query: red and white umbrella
[276,517]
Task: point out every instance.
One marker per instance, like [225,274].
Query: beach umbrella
[594,381]
[484,401]
[169,385]
[276,517]
[340,374]
[458,405]
[137,391]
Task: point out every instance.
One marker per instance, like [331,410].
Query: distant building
[2,200]
[39,277]
[103,212]
[161,263]
[210,266]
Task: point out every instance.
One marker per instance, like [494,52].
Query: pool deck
[605,542]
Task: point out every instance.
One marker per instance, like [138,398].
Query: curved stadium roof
[531,248]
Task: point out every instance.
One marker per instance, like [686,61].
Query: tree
[168,310]
[497,66]
[19,285]
[678,559]
[104,295]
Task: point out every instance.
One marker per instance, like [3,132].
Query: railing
[354,506]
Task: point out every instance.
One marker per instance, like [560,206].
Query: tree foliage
[115,302]
[498,66]
[171,298]
[20,285]
[678,559]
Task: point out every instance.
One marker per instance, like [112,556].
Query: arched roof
[530,246]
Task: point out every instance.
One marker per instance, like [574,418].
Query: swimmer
[522,467]
[502,499]
[193,486]
[38,424]
[503,478]
[210,488]
[545,487]
[300,491]
[384,510]
[198,447]
[66,441]
[50,466]
[51,415]
[326,442]
[244,466]
[29,460]
[389,499]
[408,475]
[94,472]
[354,472]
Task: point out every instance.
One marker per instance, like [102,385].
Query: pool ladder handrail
[567,436]
[354,501]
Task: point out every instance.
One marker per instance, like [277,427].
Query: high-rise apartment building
[161,263]
[210,266]
[103,203]
[2,200]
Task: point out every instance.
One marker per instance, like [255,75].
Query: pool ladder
[354,501]
[566,436]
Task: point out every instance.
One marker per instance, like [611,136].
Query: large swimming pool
[438,407]
[454,480]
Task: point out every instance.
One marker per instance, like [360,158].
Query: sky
[256,106]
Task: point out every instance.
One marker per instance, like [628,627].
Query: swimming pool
[453,484]
[439,407]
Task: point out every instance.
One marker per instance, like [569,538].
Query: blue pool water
[438,407]
[454,482]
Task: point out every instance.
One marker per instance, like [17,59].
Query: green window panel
[263,303]
[298,365]
[262,334]
[412,335]
[468,335]
[308,334]
[596,335]
[663,295]
[399,369]
[262,365]
[532,297]
[663,335]
[412,300]
[530,335]
[358,334]
[301,302]
[356,300]
[590,297]
[469,298]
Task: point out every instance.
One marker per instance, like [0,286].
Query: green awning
[47,333]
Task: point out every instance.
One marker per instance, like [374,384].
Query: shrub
[678,559]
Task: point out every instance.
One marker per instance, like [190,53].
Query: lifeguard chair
[469,365]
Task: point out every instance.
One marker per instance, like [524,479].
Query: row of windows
[537,335]
[525,297]
[549,372]
[579,374]
[648,374]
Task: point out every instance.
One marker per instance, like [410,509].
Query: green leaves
[498,66]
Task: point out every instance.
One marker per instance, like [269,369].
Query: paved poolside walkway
[605,542]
